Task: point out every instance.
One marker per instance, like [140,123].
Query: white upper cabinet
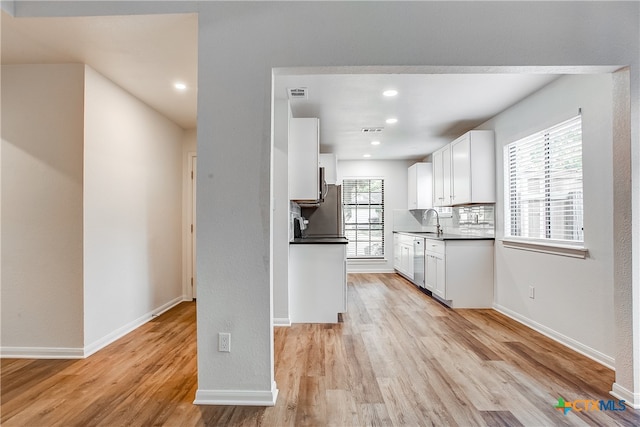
[420,187]
[304,151]
[330,164]
[473,168]
[442,177]
[461,167]
[465,170]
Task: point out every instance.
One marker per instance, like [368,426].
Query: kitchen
[522,283]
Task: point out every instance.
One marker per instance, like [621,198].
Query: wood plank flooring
[398,359]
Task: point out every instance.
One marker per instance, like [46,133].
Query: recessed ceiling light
[392,121]
[375,142]
[366,155]
[390,92]
[180,86]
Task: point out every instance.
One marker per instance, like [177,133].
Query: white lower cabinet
[317,282]
[460,272]
[434,264]
[397,257]
[403,255]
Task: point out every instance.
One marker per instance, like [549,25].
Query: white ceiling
[432,109]
[145,55]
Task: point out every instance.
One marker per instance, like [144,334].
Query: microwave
[322,192]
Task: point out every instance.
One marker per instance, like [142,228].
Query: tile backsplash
[294,212]
[477,220]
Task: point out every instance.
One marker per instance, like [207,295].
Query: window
[543,185]
[363,201]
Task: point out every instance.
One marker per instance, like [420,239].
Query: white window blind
[543,185]
[363,202]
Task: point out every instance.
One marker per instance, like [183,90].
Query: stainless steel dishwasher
[418,261]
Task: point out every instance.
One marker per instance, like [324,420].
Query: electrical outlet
[224,342]
[532,292]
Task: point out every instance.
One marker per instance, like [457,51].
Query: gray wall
[574,297]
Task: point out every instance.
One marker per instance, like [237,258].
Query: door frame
[189,222]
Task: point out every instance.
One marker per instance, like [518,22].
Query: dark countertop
[445,236]
[321,240]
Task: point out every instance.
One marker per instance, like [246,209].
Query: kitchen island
[317,279]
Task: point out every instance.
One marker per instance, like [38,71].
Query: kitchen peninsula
[317,279]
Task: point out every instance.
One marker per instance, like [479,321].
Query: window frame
[381,206]
[544,243]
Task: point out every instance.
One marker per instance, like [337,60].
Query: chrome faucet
[438,228]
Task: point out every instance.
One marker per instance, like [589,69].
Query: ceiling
[146,55]
[431,109]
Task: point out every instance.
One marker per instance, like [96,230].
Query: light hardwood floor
[399,358]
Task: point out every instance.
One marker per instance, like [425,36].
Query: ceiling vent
[297,93]
[372,130]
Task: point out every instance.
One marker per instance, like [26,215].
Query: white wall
[190,141]
[132,210]
[395,175]
[42,109]
[573,297]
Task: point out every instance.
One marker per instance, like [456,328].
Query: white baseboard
[41,353]
[81,353]
[237,397]
[591,353]
[630,399]
[372,265]
[131,326]
[362,269]
[281,321]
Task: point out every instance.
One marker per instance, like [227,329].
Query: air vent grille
[297,93]
[372,130]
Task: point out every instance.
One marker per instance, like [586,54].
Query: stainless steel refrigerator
[326,219]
